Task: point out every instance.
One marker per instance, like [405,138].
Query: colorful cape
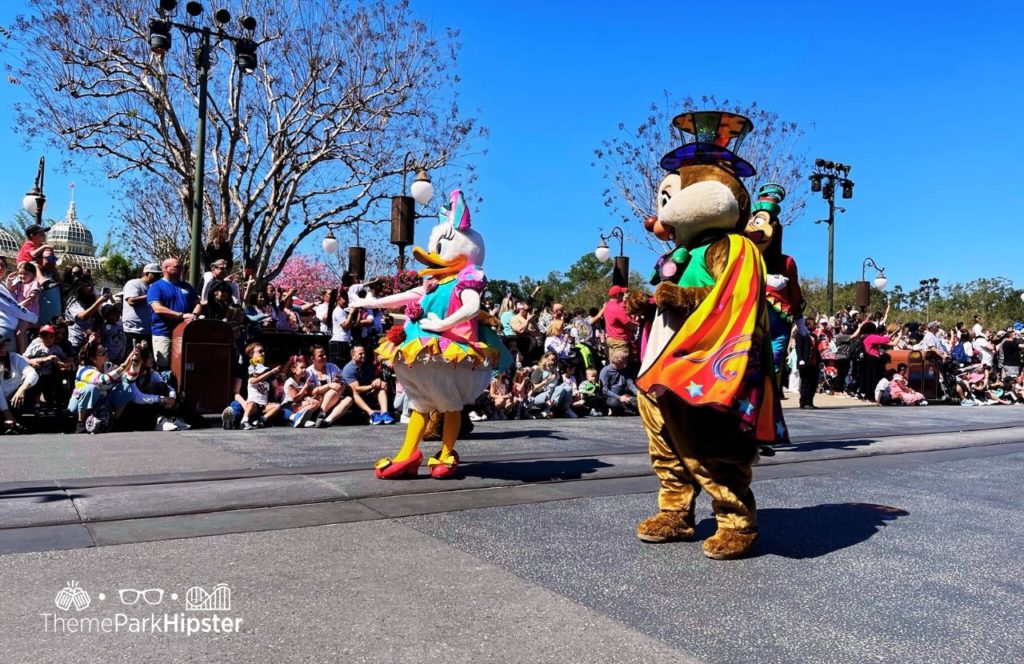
[721,356]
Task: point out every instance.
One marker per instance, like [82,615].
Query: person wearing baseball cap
[932,342]
[136,316]
[46,357]
[618,324]
[35,244]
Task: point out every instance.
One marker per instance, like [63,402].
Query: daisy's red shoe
[387,469]
[442,470]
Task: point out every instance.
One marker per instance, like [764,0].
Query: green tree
[118,269]
[994,298]
[585,284]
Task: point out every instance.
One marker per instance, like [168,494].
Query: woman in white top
[343,321]
[327,385]
[558,341]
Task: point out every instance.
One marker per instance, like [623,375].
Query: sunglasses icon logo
[151,596]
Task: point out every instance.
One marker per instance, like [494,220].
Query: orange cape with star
[721,356]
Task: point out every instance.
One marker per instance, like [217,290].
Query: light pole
[35,201]
[620,271]
[825,179]
[403,208]
[246,61]
[356,253]
[863,289]
[929,288]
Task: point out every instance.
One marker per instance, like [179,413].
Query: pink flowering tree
[308,276]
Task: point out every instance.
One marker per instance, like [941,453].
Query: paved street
[887,535]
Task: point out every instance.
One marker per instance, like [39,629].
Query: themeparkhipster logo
[135,611]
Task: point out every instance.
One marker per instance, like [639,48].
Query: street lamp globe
[880,282]
[422,189]
[329,243]
[30,203]
[603,253]
[1022,297]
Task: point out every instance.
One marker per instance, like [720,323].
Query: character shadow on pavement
[41,494]
[516,433]
[810,532]
[812,446]
[541,470]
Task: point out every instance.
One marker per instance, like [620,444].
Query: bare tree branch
[316,137]
[629,161]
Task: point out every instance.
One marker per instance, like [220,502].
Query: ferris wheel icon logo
[218,599]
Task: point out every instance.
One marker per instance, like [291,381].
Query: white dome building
[9,246]
[73,242]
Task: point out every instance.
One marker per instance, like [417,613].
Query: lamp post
[620,271]
[863,289]
[403,208]
[245,59]
[35,201]
[824,179]
[929,288]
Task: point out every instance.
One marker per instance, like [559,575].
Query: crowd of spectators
[851,355]
[103,359]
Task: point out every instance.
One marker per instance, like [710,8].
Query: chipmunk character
[708,392]
[782,285]
[442,357]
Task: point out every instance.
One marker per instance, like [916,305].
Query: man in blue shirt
[359,375]
[618,387]
[172,302]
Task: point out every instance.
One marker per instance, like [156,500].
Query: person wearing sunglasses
[101,394]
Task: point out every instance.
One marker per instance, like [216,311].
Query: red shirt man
[619,326]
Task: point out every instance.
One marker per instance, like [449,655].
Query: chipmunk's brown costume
[708,392]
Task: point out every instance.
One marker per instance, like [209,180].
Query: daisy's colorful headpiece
[457,212]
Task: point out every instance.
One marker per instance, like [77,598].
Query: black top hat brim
[706,153]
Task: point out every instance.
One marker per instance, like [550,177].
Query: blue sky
[924,99]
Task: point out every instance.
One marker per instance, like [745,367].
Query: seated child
[259,408]
[46,356]
[522,387]
[590,394]
[114,338]
[298,393]
[900,390]
[500,393]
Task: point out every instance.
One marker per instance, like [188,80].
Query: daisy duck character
[442,356]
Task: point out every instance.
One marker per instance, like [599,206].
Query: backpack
[960,355]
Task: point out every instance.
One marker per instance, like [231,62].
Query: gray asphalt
[912,563]
[45,457]
[917,564]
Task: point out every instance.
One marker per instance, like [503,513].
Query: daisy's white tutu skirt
[438,384]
